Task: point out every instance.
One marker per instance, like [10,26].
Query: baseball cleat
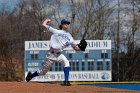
[28,77]
[67,83]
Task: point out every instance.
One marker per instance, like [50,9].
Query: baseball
[48,21]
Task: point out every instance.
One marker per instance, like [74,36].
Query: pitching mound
[33,87]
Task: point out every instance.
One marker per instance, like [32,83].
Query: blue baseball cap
[65,21]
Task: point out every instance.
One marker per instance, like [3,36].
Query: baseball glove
[82,45]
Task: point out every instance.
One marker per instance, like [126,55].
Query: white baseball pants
[53,57]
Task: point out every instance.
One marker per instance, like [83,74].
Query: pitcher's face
[65,26]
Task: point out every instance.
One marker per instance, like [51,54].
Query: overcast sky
[9,4]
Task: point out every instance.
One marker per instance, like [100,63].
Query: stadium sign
[95,64]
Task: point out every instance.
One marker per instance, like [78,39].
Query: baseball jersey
[60,39]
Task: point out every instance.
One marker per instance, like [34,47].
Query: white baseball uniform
[59,40]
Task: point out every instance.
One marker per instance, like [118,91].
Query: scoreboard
[94,64]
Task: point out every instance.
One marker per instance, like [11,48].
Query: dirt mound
[34,87]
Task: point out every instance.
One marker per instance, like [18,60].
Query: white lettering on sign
[33,64]
[71,51]
[34,52]
[32,69]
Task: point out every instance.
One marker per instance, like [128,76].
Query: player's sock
[34,74]
[66,73]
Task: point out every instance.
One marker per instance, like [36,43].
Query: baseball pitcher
[60,39]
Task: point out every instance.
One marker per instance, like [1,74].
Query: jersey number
[67,43]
